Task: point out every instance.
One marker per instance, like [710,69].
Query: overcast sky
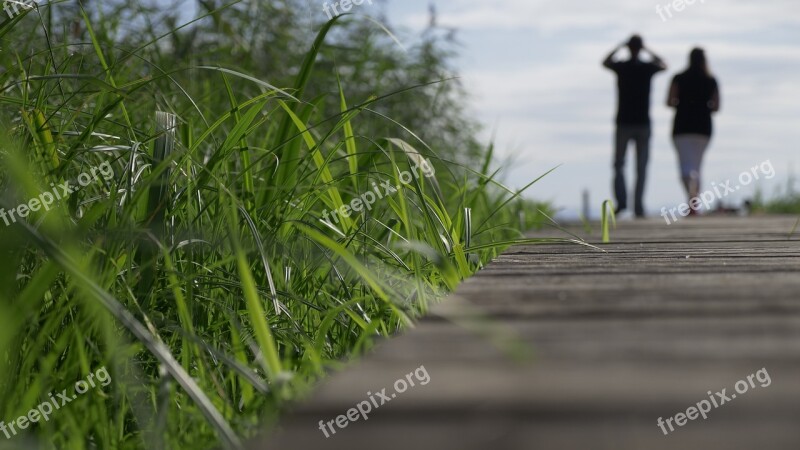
[533,69]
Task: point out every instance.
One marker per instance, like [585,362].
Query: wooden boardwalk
[615,340]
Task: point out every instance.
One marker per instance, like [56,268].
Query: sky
[533,71]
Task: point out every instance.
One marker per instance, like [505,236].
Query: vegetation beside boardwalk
[201,274]
[786,202]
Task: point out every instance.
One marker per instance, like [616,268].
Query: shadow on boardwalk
[619,340]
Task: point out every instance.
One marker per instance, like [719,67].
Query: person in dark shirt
[694,94]
[633,117]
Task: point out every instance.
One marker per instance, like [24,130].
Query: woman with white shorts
[695,96]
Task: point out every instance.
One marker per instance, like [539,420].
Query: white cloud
[534,73]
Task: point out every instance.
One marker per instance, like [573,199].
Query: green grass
[787,204]
[202,274]
[607,213]
[785,200]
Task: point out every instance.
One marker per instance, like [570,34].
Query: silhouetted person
[633,117]
[695,96]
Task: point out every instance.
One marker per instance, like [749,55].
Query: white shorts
[691,148]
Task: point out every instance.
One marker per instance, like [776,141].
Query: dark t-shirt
[633,82]
[693,115]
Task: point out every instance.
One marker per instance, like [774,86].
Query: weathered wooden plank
[567,347]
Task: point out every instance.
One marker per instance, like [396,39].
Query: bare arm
[609,61]
[657,60]
[673,97]
[714,104]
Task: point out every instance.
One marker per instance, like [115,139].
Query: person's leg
[621,147]
[682,147]
[699,144]
[642,157]
[690,150]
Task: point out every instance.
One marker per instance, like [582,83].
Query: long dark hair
[698,64]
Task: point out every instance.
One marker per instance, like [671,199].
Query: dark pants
[640,135]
